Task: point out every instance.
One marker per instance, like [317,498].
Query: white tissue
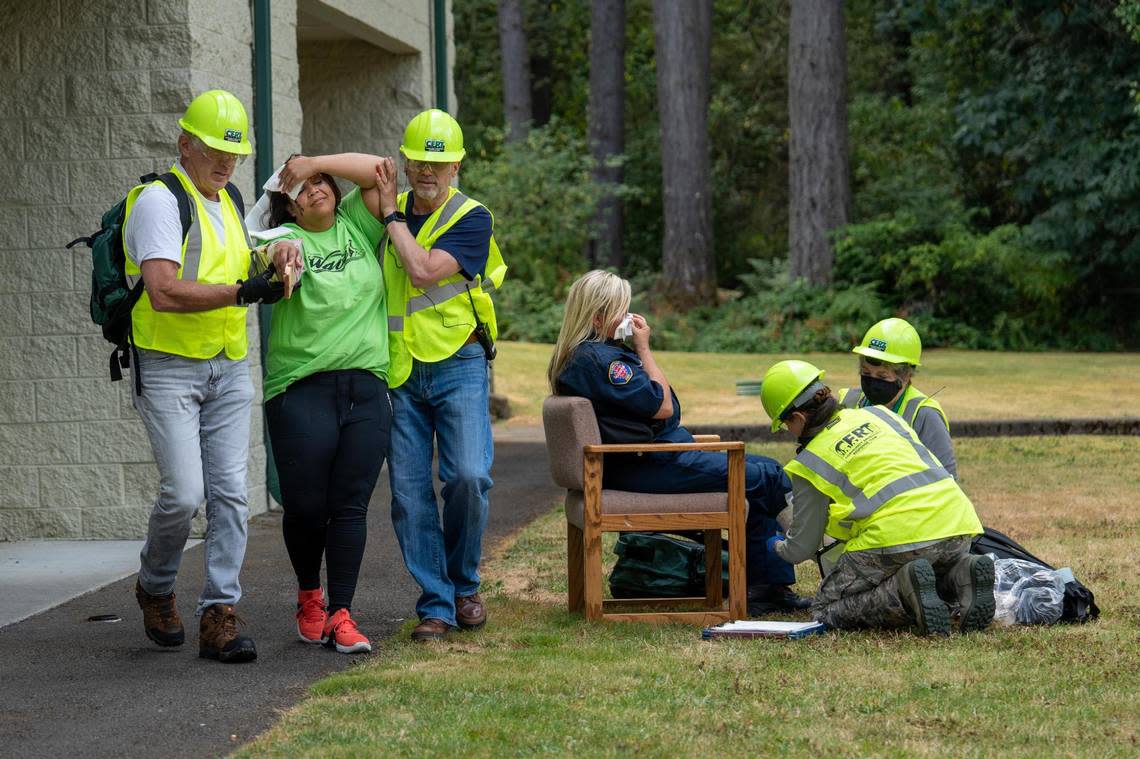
[624,328]
[258,216]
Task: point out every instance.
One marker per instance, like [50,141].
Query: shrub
[543,197]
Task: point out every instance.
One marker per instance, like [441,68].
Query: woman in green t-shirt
[326,391]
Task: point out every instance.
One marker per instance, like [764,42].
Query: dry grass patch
[539,680]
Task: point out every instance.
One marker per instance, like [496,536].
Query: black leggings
[330,436]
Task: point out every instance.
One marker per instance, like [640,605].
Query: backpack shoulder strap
[239,204]
[185,215]
[235,196]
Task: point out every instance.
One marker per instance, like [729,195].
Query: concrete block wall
[93,90]
[358,97]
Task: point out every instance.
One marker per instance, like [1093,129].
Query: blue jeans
[196,413]
[447,401]
[765,486]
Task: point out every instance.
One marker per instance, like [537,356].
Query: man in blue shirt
[440,262]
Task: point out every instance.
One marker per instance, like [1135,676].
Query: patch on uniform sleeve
[620,373]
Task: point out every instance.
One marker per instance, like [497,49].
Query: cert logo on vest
[857,439]
[620,373]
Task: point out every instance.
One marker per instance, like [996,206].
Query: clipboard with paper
[762,628]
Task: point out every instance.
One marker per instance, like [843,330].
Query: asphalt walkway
[71,687]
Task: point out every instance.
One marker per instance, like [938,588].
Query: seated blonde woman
[634,402]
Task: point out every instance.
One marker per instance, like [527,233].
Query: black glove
[260,289]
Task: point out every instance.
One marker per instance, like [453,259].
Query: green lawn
[968,384]
[540,680]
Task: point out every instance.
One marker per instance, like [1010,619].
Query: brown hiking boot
[218,636]
[430,629]
[470,612]
[160,618]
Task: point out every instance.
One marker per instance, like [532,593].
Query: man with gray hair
[194,390]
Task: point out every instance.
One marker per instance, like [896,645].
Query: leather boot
[218,637]
[160,618]
[470,613]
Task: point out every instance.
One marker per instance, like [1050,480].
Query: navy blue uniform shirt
[468,241]
[611,375]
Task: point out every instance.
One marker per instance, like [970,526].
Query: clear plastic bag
[1026,593]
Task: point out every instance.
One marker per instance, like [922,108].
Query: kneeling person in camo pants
[862,474]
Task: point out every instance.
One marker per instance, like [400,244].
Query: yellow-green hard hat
[784,384]
[892,340]
[433,136]
[218,119]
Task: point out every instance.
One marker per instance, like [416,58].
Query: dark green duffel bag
[656,565]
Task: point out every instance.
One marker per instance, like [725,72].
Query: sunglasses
[423,167]
[220,156]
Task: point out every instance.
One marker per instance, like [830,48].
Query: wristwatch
[394,216]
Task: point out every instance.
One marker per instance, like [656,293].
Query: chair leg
[592,571]
[713,582]
[737,584]
[574,576]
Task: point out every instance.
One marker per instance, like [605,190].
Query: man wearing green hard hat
[441,263]
[863,474]
[184,236]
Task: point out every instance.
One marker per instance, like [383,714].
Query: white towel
[257,219]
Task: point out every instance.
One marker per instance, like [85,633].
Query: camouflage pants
[863,590]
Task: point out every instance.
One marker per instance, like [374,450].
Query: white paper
[763,625]
[624,328]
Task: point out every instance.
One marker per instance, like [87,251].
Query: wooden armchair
[576,463]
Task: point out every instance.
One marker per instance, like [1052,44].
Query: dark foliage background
[995,180]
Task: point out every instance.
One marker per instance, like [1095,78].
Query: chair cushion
[570,425]
[625,502]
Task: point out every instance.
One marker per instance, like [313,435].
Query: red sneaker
[311,616]
[340,631]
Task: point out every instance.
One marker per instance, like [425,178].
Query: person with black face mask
[888,356]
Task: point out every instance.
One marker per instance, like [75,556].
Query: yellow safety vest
[198,334]
[431,325]
[887,489]
[912,400]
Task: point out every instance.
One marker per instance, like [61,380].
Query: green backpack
[113,297]
[655,565]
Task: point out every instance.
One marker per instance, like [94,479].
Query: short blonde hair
[595,293]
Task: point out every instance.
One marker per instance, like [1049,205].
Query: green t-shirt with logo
[337,319]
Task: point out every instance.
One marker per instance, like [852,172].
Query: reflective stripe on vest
[204,258]
[192,257]
[866,505]
[852,398]
[433,323]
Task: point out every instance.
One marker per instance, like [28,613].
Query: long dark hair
[279,204]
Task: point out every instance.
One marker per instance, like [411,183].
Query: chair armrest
[732,445]
[706,438]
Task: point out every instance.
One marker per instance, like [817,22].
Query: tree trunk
[683,38]
[607,125]
[516,68]
[820,194]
